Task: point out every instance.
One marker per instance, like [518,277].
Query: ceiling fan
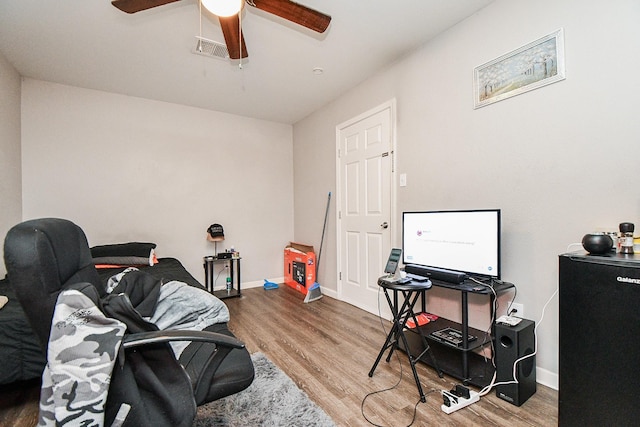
[286,9]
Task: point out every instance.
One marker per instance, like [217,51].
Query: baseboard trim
[547,378]
[258,283]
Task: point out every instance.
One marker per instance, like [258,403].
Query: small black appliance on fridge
[599,372]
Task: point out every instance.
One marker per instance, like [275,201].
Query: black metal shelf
[482,337]
[460,361]
[234,273]
[479,369]
[222,294]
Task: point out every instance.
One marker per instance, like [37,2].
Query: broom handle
[326,215]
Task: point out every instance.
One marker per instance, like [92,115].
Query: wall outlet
[519,310]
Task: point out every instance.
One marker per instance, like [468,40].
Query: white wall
[559,161]
[128,169]
[10,169]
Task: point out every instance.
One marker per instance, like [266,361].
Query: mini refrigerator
[599,335]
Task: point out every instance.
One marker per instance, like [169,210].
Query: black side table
[234,273]
[401,314]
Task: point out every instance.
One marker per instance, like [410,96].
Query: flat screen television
[466,241]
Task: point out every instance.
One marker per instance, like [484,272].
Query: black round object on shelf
[597,243]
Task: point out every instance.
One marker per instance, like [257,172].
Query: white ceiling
[91,44]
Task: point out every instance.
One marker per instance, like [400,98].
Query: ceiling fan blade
[233,36]
[294,12]
[133,6]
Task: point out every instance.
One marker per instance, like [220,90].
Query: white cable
[573,244]
[492,384]
[240,36]
[200,8]
[488,388]
[496,306]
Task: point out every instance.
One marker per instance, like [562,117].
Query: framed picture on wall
[530,67]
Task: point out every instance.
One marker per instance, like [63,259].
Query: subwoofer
[512,343]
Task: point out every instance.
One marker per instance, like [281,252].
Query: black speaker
[512,343]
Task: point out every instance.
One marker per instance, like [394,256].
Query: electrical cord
[415,407]
[488,388]
[495,314]
[218,276]
[573,244]
[487,333]
[509,311]
[496,307]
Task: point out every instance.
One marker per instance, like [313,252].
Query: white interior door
[365,172]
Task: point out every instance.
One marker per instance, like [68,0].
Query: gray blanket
[170,306]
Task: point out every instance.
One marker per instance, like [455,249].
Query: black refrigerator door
[599,372]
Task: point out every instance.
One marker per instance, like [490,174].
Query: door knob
[384,225]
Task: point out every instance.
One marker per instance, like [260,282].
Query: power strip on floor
[452,402]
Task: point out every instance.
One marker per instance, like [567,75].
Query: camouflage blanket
[82,351]
[84,342]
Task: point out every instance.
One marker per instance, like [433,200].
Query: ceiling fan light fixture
[223,8]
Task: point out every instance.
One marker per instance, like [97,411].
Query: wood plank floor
[328,347]
[19,404]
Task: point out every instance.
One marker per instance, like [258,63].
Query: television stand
[459,361]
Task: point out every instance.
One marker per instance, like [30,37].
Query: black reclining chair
[45,256]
